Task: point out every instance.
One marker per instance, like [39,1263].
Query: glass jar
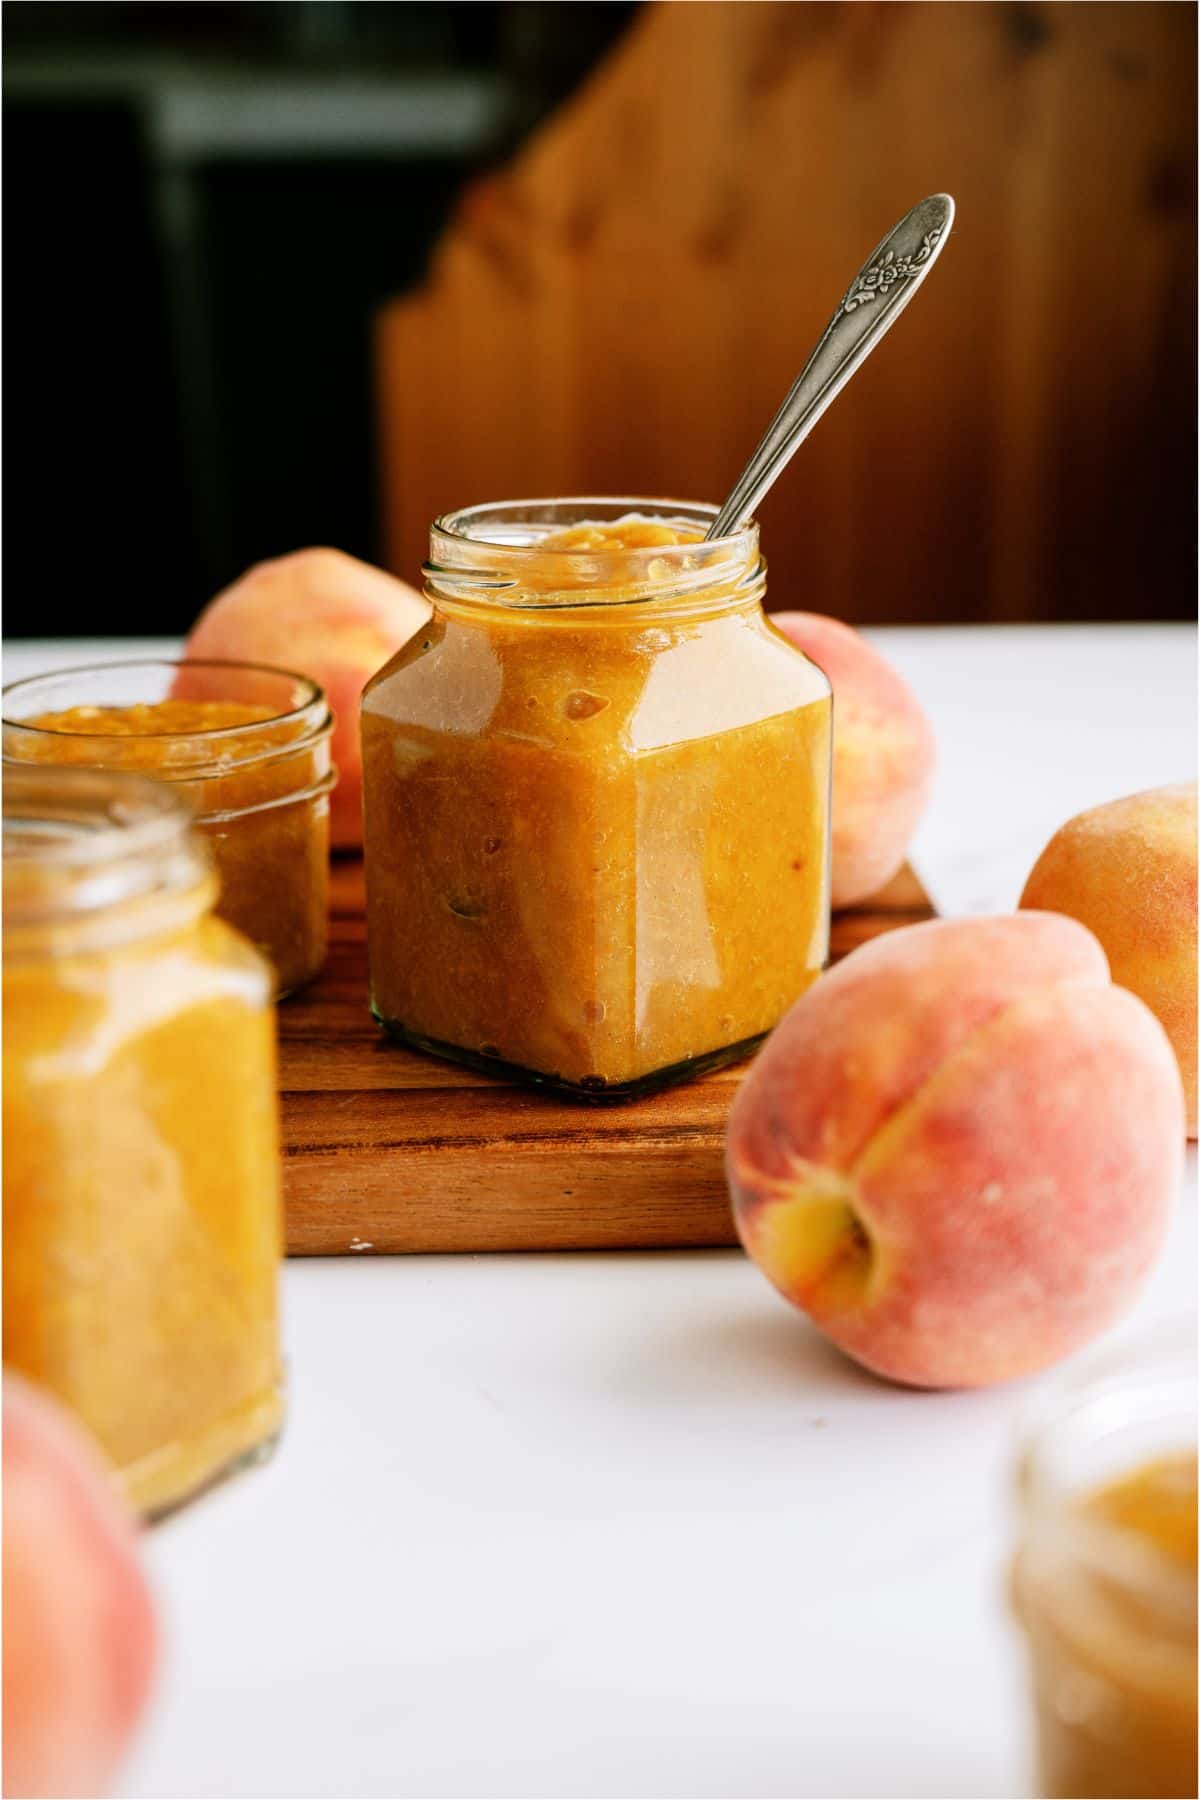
[1104,1578]
[142,1218]
[248,745]
[596,800]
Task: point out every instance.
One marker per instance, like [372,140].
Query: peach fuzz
[959,1151]
[883,754]
[80,1640]
[330,617]
[1127,870]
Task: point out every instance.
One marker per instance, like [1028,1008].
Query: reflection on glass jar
[247,746]
[596,800]
[1104,1578]
[142,1222]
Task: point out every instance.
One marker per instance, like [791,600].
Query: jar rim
[469,562]
[308,708]
[100,813]
[81,841]
[620,505]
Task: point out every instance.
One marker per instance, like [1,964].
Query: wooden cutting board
[385,1150]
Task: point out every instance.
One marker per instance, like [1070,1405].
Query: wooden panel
[621,308]
[388,1151]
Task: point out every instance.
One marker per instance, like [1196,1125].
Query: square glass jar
[596,800]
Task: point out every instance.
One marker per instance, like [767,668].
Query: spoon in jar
[874,301]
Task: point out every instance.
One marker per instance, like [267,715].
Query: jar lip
[470,562]
[80,841]
[188,755]
[315,693]
[606,507]
[76,816]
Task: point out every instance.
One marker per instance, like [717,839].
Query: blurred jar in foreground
[595,800]
[247,745]
[1104,1579]
[142,1224]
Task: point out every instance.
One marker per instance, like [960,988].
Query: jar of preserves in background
[1104,1578]
[249,748]
[596,800]
[142,1218]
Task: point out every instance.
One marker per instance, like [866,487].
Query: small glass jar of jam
[1104,1578]
[249,746]
[596,800]
[142,1220]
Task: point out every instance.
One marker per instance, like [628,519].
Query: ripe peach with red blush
[80,1638]
[883,754]
[959,1151]
[325,615]
[1127,870]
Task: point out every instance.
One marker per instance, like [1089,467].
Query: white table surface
[621,1525]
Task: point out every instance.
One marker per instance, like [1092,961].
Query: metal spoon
[876,297]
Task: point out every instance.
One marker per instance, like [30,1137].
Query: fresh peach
[330,617]
[959,1150]
[883,754]
[1127,871]
[80,1639]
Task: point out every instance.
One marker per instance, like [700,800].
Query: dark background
[209,208]
[203,205]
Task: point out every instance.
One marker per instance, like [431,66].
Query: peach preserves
[596,801]
[142,1227]
[1104,1579]
[249,748]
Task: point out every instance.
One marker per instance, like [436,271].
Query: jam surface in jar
[142,1217]
[1157,1503]
[630,533]
[257,772]
[596,810]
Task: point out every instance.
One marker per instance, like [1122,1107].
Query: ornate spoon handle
[877,296]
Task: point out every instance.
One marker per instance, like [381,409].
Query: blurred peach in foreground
[959,1151]
[326,615]
[79,1631]
[883,754]
[1127,871]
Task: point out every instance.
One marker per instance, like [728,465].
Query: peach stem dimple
[811,1237]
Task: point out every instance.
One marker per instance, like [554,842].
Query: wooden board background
[385,1150]
[621,307]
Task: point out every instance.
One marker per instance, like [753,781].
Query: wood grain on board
[385,1150]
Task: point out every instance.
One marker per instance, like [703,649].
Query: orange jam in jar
[248,746]
[1105,1579]
[596,800]
[142,1221]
